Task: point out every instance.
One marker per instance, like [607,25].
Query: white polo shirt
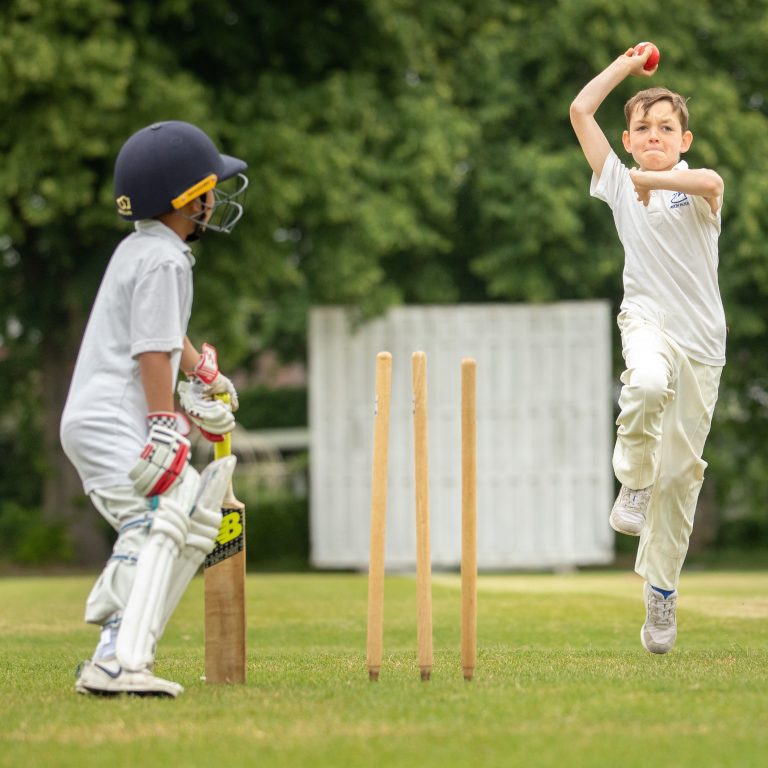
[143,305]
[670,261]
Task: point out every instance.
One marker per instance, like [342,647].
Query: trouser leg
[669,521]
[130,516]
[645,394]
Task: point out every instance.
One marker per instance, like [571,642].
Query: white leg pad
[110,592]
[205,521]
[140,628]
[132,519]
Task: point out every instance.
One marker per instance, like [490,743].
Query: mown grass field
[561,679]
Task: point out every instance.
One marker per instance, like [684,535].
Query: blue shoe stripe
[113,675]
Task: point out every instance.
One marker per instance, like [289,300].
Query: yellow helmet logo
[124,205]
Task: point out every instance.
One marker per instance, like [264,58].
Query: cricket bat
[224,573]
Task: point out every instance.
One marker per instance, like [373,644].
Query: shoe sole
[618,529]
[112,694]
[95,692]
[656,653]
[86,689]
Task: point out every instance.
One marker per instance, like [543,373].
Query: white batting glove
[207,371]
[164,459]
[212,416]
[221,385]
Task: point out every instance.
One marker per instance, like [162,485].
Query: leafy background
[399,151]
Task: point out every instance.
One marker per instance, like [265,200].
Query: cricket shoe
[659,632]
[108,678]
[628,513]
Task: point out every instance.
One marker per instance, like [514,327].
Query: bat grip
[223,447]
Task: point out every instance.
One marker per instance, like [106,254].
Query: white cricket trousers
[666,406]
[129,514]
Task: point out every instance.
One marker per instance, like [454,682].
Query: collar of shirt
[158,229]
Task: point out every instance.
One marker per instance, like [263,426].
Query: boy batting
[119,427]
[672,324]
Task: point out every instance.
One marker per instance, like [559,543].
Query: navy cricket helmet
[165,165]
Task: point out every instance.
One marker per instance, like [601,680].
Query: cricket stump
[468,518]
[421,479]
[378,514]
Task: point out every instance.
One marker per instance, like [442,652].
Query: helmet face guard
[166,165]
[227,207]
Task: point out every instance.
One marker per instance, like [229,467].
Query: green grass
[561,679]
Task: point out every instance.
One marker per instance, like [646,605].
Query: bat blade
[224,569]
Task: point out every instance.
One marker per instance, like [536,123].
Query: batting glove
[213,417]
[163,460]
[198,398]
[207,371]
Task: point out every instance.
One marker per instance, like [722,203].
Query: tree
[398,151]
[327,210]
[76,89]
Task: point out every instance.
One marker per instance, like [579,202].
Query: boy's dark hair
[644,100]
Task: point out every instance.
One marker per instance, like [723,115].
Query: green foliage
[266,408]
[20,427]
[277,532]
[399,151]
[749,532]
[28,539]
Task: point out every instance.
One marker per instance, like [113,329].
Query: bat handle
[223,447]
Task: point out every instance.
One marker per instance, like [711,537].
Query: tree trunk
[64,501]
[704,531]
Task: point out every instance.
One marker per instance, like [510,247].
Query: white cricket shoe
[659,632]
[628,513]
[107,678]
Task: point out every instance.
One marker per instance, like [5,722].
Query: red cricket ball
[653,59]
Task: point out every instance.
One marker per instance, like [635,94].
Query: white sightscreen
[544,433]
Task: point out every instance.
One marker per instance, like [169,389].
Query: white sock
[106,649]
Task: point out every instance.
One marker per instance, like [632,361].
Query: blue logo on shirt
[678,199]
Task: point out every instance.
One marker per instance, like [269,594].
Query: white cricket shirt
[143,305]
[670,261]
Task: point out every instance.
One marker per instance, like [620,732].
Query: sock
[665,593]
[106,649]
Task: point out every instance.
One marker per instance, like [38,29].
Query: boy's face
[655,138]
[208,207]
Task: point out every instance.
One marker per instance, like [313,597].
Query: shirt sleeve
[701,206]
[607,187]
[157,322]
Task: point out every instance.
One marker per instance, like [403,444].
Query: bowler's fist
[653,59]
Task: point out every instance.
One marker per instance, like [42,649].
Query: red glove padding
[216,383]
[211,416]
[163,461]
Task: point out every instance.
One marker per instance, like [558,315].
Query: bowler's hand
[640,181]
[637,62]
